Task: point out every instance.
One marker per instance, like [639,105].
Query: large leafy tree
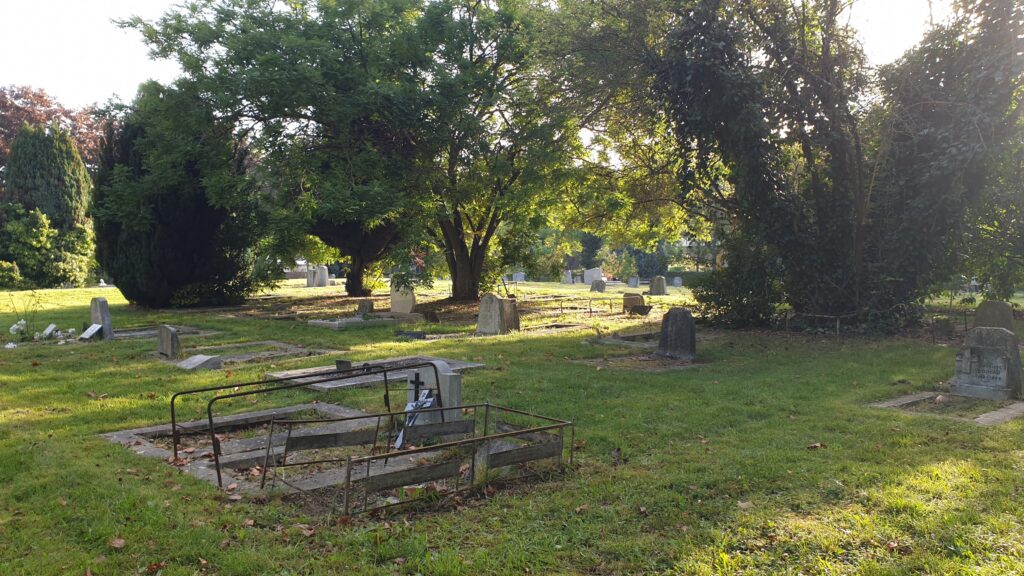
[857,201]
[176,214]
[332,94]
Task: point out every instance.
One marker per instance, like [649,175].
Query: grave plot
[980,411]
[150,331]
[215,357]
[368,320]
[354,462]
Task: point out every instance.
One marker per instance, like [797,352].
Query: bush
[10,275]
[44,171]
[747,292]
[45,257]
[176,216]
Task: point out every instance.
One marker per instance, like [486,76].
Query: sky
[73,50]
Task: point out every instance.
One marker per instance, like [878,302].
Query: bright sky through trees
[71,49]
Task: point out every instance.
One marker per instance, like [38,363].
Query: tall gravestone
[168,343]
[988,365]
[634,282]
[994,314]
[322,277]
[403,300]
[310,277]
[598,285]
[567,277]
[678,337]
[658,286]
[99,312]
[592,274]
[497,315]
[364,307]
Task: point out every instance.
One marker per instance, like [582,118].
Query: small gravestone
[592,274]
[658,286]
[567,277]
[678,337]
[168,344]
[994,314]
[364,307]
[598,285]
[403,300]
[577,280]
[49,330]
[93,332]
[634,282]
[988,365]
[321,277]
[631,300]
[310,277]
[497,315]
[200,362]
[519,276]
[677,282]
[99,312]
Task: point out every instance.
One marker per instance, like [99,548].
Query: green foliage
[44,171]
[618,263]
[860,206]
[177,219]
[10,275]
[747,291]
[45,257]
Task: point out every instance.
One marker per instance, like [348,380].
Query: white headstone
[100,314]
[497,315]
[634,282]
[677,282]
[94,332]
[592,274]
[310,277]
[320,277]
[49,330]
[567,277]
[519,276]
[402,301]
[451,391]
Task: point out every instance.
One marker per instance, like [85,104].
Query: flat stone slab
[1004,414]
[374,319]
[146,332]
[276,350]
[201,362]
[904,400]
[315,375]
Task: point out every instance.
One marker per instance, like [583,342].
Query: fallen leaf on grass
[399,560]
[232,487]
[490,490]
[235,497]
[116,543]
[224,544]
[155,567]
[306,530]
[582,508]
[745,505]
[248,522]
[816,446]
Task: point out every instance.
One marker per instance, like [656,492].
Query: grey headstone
[677,282]
[49,330]
[598,285]
[567,277]
[201,362]
[631,300]
[678,335]
[167,341]
[99,313]
[364,307]
[497,315]
[320,277]
[310,277]
[988,365]
[519,276]
[592,274]
[994,314]
[402,301]
[578,280]
[93,332]
[658,286]
[634,282]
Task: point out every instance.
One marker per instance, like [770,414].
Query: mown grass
[699,471]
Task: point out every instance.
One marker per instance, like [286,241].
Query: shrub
[10,275]
[746,292]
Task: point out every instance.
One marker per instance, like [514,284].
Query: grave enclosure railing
[288,383]
[465,463]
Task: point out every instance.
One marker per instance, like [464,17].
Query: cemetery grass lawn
[763,459]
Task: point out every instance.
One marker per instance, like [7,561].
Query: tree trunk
[354,285]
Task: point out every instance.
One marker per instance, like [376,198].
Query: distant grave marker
[678,337]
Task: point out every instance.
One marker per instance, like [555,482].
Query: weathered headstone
[93,332]
[99,313]
[677,282]
[592,274]
[49,330]
[201,362]
[988,365]
[658,286]
[577,280]
[310,277]
[678,335]
[450,384]
[403,301]
[634,282]
[598,285]
[364,307]
[567,277]
[322,277]
[167,341]
[631,300]
[994,314]
[497,315]
[519,276]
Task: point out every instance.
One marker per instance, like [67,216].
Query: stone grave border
[1000,416]
[283,351]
